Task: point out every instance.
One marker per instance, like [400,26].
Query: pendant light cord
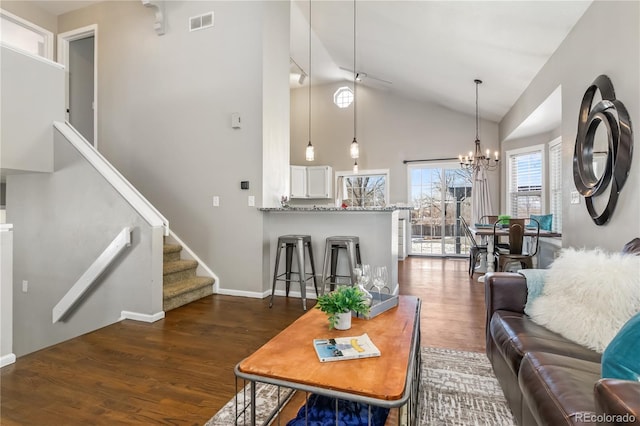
[309,71]
[478,82]
[355,72]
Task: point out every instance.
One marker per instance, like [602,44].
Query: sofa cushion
[621,359]
[588,295]
[557,389]
[515,334]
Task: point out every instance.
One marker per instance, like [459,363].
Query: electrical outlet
[252,201]
[25,286]
[216,201]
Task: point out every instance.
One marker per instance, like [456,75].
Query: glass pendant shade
[355,167]
[309,152]
[355,149]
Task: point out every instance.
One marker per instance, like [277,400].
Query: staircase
[180,284]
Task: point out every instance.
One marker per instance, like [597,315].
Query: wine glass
[366,275]
[380,278]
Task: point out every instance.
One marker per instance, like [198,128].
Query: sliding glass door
[440,193]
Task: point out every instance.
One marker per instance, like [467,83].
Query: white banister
[150,214]
[87,279]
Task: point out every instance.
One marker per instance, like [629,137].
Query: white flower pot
[344,321]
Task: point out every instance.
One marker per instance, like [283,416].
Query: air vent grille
[201,22]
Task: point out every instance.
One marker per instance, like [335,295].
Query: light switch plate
[575,197]
[216,201]
[252,201]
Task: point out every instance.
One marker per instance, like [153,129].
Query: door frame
[63,58]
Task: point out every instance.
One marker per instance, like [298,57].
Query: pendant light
[355,149]
[309,152]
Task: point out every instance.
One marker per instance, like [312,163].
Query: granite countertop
[333,209]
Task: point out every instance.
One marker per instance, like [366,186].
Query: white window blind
[526,170]
[555,184]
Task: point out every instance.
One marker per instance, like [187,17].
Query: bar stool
[332,248]
[297,242]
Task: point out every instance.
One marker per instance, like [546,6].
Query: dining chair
[476,250]
[491,220]
[517,252]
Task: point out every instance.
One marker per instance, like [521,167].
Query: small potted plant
[339,304]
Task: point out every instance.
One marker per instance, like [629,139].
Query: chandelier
[477,159]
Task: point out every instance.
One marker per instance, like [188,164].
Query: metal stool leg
[335,249]
[288,270]
[301,274]
[325,266]
[275,273]
[351,257]
[313,268]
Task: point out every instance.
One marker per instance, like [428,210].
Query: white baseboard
[311,293]
[7,360]
[141,317]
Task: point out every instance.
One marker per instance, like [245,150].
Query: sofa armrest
[505,291]
[617,402]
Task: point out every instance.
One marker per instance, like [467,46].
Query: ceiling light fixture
[309,152]
[476,160]
[355,149]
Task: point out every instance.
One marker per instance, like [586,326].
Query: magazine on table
[343,348]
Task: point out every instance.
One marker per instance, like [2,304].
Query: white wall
[390,129]
[606,40]
[6,295]
[62,222]
[28,110]
[165,104]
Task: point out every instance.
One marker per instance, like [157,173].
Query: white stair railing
[94,271]
[150,214]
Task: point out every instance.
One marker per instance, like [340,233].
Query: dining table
[487,230]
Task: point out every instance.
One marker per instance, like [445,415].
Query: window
[525,181]
[23,35]
[368,188]
[343,97]
[555,183]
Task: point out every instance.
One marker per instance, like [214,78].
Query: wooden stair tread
[185,286]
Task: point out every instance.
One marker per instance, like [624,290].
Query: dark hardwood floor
[179,371]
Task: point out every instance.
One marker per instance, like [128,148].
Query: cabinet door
[319,181]
[298,182]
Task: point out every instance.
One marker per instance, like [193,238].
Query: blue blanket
[321,411]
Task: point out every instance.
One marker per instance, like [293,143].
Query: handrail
[152,216]
[122,240]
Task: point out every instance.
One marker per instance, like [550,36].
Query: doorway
[78,52]
[440,194]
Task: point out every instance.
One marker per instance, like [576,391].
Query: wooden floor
[179,371]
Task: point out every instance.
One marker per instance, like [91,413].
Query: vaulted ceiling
[432,51]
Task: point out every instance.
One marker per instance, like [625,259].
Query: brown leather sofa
[547,379]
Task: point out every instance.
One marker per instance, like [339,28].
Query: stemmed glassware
[363,277]
[380,279]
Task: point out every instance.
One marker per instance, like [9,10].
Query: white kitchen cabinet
[311,181]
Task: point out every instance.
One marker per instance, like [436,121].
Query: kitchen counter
[333,209]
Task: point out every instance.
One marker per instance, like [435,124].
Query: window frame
[555,183]
[46,34]
[338,93]
[362,173]
[511,155]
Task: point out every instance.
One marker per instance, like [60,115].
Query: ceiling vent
[201,22]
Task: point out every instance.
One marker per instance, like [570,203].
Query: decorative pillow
[621,359]
[588,295]
[321,411]
[545,220]
[535,282]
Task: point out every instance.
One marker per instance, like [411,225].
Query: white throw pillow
[588,295]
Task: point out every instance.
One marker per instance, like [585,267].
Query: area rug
[457,388]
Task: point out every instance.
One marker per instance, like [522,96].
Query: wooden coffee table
[391,380]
